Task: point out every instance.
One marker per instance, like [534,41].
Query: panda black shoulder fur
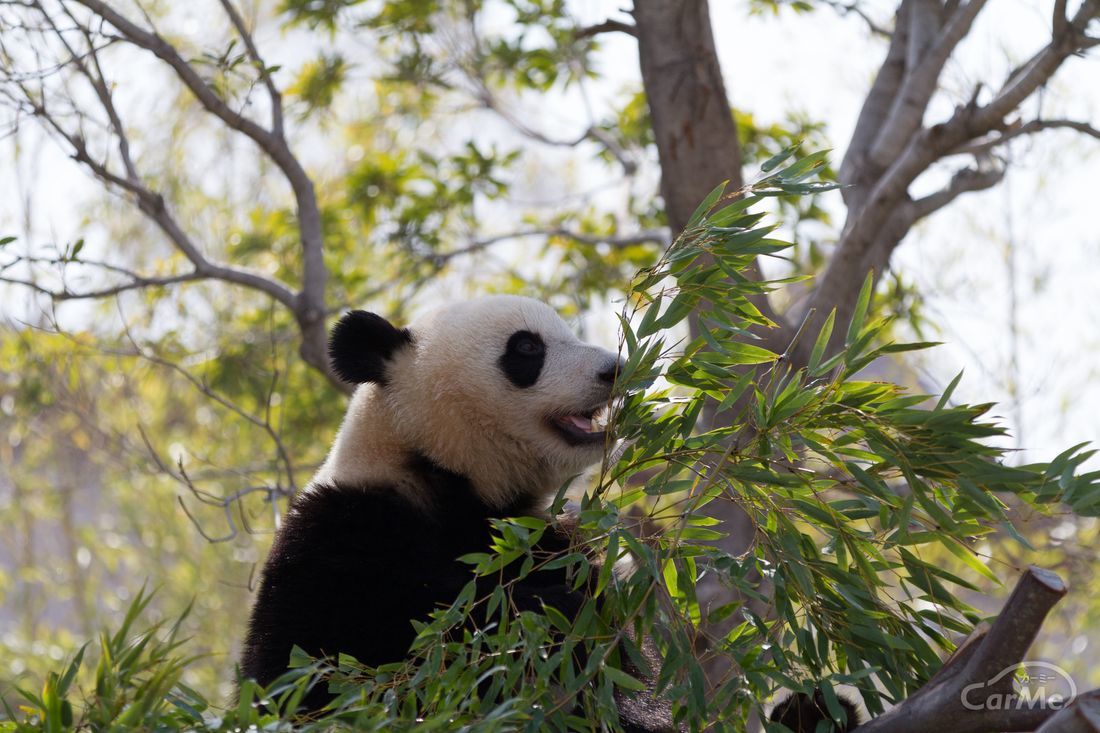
[481,410]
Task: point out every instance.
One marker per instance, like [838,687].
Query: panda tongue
[580,422]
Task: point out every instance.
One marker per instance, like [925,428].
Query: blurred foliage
[858,491]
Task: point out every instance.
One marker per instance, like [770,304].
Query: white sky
[822,65]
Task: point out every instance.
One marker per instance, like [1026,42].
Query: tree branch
[853,8]
[136,284]
[854,168]
[645,237]
[487,99]
[862,244]
[261,67]
[964,181]
[1067,39]
[151,203]
[309,302]
[944,704]
[1081,716]
[607,26]
[907,113]
[986,145]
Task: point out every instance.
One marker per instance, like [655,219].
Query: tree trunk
[692,120]
[698,149]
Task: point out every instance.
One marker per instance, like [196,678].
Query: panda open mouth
[580,428]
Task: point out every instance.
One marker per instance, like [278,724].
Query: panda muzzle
[579,428]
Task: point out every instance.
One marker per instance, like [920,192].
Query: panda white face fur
[498,390]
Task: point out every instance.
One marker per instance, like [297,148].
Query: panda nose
[611,370]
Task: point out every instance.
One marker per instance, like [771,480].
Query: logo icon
[1023,686]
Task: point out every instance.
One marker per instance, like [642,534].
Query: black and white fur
[803,713]
[481,410]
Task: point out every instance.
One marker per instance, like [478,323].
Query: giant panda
[480,410]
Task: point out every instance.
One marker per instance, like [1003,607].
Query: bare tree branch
[488,99]
[853,8]
[854,168]
[1068,38]
[989,143]
[607,26]
[922,78]
[986,660]
[307,302]
[964,181]
[861,244]
[1059,19]
[151,203]
[660,237]
[1081,716]
[137,283]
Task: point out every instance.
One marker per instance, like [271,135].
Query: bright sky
[822,64]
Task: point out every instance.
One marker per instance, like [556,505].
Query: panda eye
[529,346]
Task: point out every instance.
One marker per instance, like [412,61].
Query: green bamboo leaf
[707,205]
[860,312]
[948,392]
[742,353]
[648,324]
[622,679]
[785,154]
[822,341]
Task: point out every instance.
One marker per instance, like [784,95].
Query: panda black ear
[360,345]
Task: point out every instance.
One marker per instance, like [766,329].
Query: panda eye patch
[523,358]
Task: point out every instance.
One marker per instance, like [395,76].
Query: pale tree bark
[696,137]
[891,146]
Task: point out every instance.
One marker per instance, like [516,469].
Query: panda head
[497,389]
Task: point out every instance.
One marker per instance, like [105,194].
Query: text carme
[1034,685]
